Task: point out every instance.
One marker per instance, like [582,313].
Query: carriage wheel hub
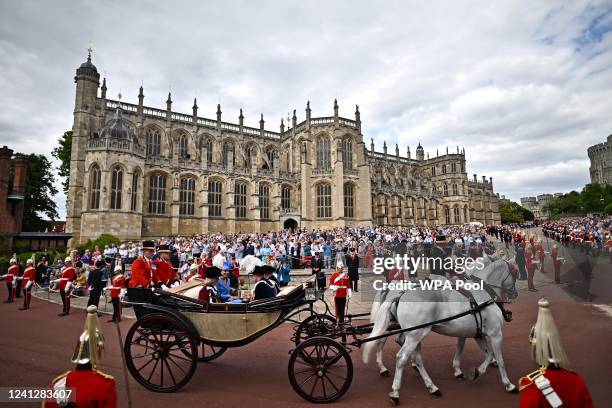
[320,373]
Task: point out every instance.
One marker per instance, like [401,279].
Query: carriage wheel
[155,353]
[209,353]
[313,326]
[320,370]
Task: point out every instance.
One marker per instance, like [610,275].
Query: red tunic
[528,261]
[540,251]
[554,254]
[569,386]
[163,272]
[91,388]
[341,280]
[68,275]
[28,275]
[141,273]
[118,283]
[12,272]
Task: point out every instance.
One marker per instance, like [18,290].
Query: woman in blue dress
[226,293]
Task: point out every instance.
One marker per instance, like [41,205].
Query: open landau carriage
[175,330]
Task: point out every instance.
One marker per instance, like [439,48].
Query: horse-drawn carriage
[175,330]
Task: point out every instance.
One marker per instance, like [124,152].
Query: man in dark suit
[352,264]
[94,281]
[520,260]
[317,269]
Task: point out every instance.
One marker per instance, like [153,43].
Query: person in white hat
[11,274]
[551,385]
[65,285]
[117,286]
[27,280]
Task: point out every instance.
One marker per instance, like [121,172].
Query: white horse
[484,273]
[416,307]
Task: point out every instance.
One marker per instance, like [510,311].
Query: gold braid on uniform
[531,378]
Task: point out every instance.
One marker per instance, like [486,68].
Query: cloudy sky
[525,87]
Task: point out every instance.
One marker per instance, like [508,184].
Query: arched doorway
[290,223]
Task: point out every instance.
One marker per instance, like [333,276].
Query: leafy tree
[62,153]
[514,213]
[589,200]
[38,200]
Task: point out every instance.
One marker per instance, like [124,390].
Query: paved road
[37,345]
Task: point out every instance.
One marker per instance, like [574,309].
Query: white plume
[218,261]
[248,264]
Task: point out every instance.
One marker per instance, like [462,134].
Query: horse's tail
[378,299]
[381,322]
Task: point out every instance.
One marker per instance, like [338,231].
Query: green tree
[38,200]
[62,153]
[513,213]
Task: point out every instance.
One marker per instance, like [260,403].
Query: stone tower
[87,80]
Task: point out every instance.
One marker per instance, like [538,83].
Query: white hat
[13,261]
[29,262]
[68,259]
[339,265]
[118,268]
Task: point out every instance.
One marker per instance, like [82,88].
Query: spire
[372,145]
[336,107]
[169,102]
[408,152]
[357,114]
[282,126]
[261,122]
[397,151]
[385,147]
[446,149]
[195,103]
[241,119]
[103,88]
[307,111]
[195,109]
[218,112]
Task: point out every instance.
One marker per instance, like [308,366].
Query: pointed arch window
[445,189]
[286,197]
[240,200]
[187,196]
[228,149]
[347,154]
[157,194]
[183,150]
[215,189]
[264,202]
[95,178]
[153,142]
[349,201]
[134,196]
[324,200]
[455,189]
[116,187]
[323,152]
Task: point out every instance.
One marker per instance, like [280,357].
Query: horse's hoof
[384,373]
[436,393]
[460,376]
[512,390]
[475,374]
[414,367]
[394,400]
[493,364]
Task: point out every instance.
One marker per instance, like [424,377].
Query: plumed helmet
[13,261]
[90,347]
[248,264]
[29,262]
[68,259]
[118,268]
[218,261]
[546,346]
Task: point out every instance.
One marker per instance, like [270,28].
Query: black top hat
[440,238]
[258,270]
[212,272]
[268,269]
[163,248]
[148,245]
[100,263]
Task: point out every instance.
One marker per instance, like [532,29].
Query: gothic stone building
[600,156]
[138,172]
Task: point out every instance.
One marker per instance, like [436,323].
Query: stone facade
[600,156]
[11,201]
[138,171]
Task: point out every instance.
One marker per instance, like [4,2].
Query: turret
[420,152]
[218,116]
[372,145]
[397,151]
[282,126]
[385,147]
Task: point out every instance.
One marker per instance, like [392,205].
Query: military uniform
[91,388]
[11,275]
[556,387]
[118,284]
[65,287]
[340,284]
[27,280]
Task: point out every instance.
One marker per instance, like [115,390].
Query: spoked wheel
[209,353]
[320,370]
[313,326]
[160,353]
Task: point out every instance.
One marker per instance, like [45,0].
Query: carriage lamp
[310,294]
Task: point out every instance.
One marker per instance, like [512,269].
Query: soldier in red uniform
[142,272]
[65,285]
[540,253]
[552,385]
[163,273]
[530,267]
[554,254]
[27,280]
[118,284]
[91,388]
[209,293]
[10,276]
[340,285]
